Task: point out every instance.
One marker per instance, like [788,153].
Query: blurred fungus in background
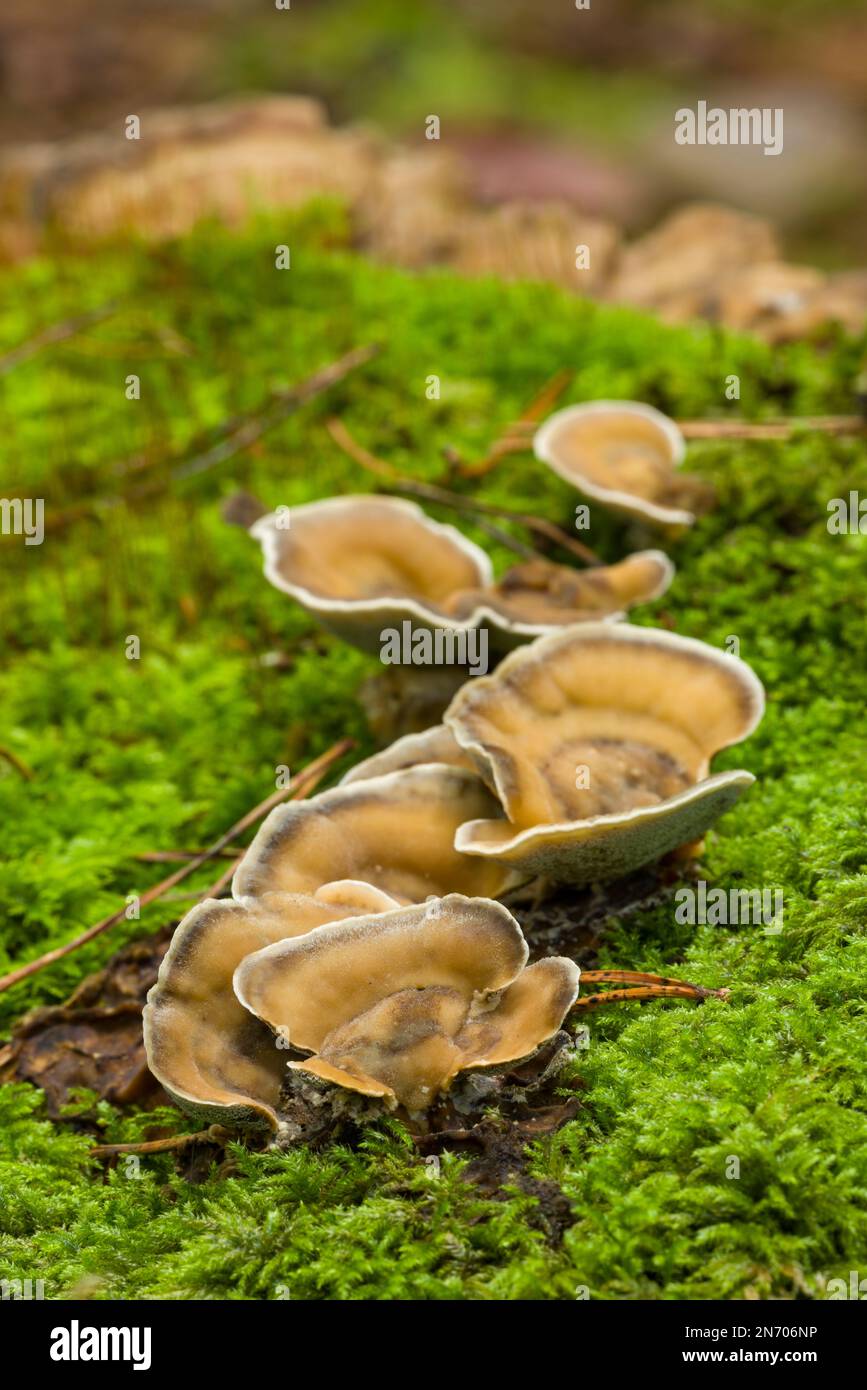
[537,102]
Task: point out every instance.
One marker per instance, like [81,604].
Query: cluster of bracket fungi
[365,955]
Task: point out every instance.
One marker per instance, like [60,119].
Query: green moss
[167,751]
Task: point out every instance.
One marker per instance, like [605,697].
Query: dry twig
[57,333]
[510,441]
[14,761]
[309,775]
[285,403]
[771,429]
[521,433]
[236,434]
[214,1134]
[432,493]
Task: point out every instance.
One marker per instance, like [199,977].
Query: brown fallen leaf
[94,1039]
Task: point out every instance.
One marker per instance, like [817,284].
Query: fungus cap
[535,598]
[207,1052]
[622,454]
[396,1005]
[434,745]
[363,565]
[360,564]
[394,831]
[598,743]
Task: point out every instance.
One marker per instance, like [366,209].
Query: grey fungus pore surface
[214,1059]
[394,1006]
[360,564]
[598,742]
[624,455]
[394,831]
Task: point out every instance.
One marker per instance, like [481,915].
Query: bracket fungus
[394,831]
[388,1001]
[394,1006]
[364,565]
[624,455]
[598,742]
[535,597]
[208,1053]
[435,745]
[360,564]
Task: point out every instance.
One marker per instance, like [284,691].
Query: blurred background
[536,99]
